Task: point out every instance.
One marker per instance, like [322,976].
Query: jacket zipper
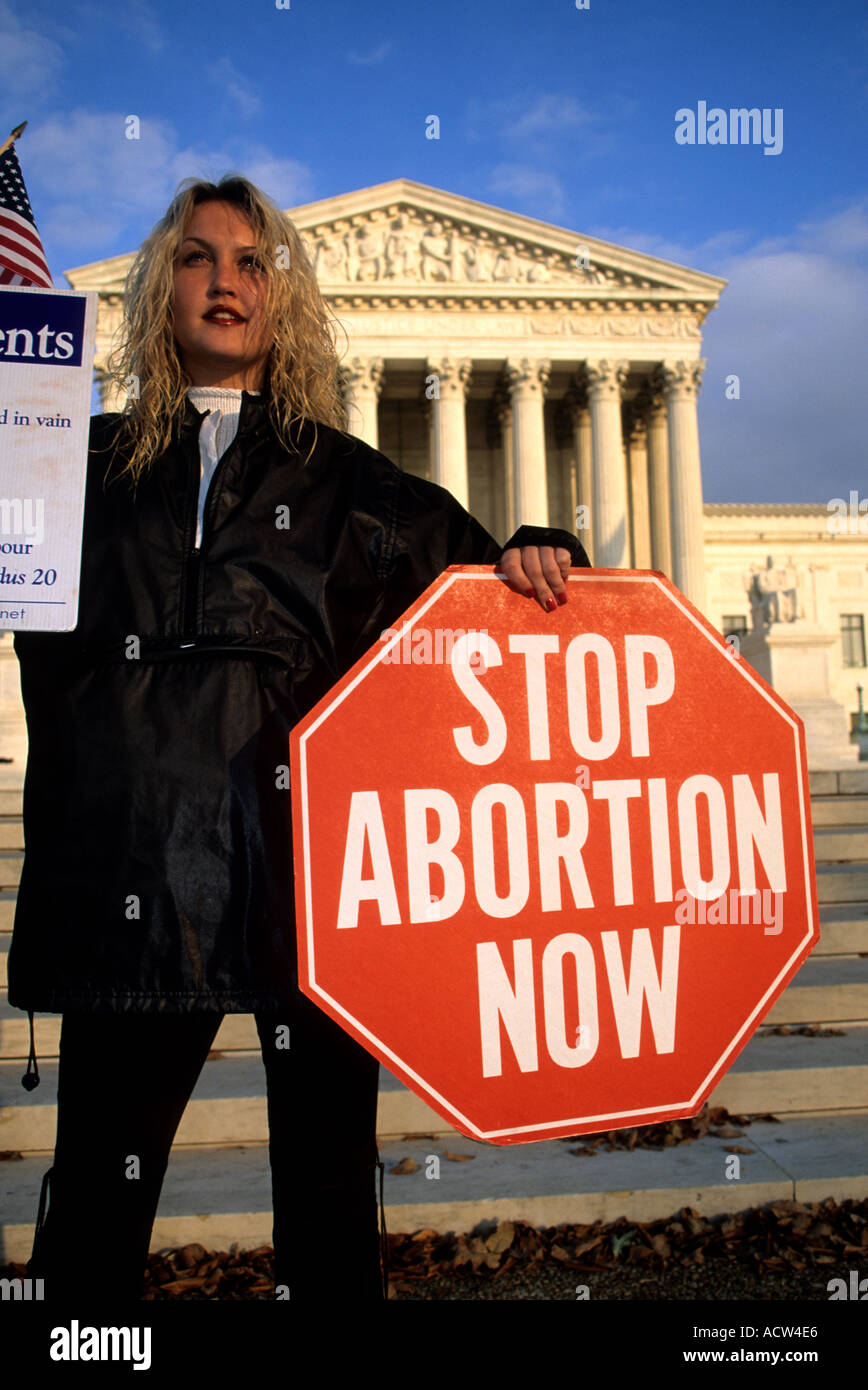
[194,571]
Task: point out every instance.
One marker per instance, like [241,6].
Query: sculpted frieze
[406,246]
[609,325]
[494,324]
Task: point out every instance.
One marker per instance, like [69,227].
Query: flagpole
[13,137]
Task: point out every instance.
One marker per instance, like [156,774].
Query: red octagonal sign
[552,869]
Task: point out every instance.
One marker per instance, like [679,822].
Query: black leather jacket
[158,864]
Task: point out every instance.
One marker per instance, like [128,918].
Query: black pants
[124,1080]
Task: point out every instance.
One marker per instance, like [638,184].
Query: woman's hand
[537,571]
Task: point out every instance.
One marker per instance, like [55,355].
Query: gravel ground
[721,1281]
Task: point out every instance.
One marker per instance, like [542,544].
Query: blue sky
[562,114]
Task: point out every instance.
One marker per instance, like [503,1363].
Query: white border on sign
[629,577]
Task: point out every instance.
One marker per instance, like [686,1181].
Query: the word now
[508,1004]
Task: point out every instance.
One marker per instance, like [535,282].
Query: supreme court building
[527,370]
[548,378]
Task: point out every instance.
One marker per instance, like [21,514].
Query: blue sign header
[41,328]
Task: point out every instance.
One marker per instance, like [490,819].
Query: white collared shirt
[216,433]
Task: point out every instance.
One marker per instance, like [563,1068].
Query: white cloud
[542,126]
[29,61]
[537,189]
[231,83]
[376,55]
[550,114]
[791,325]
[138,18]
[106,187]
[287,181]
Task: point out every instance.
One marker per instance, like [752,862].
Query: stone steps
[817,1085]
[222,1195]
[784,1074]
[851,781]
[834,843]
[842,883]
[839,810]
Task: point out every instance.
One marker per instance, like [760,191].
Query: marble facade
[547,378]
[528,370]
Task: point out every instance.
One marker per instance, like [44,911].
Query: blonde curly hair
[302,371]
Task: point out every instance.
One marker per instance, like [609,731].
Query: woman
[240,552]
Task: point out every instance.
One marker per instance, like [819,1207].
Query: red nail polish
[550,605]
[562,598]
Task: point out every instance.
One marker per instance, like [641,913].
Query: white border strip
[720,1065]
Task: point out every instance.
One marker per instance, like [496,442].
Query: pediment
[405,240]
[402,235]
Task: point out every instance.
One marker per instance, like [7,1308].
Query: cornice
[494,259]
[772,509]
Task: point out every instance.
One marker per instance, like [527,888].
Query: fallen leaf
[502,1238]
[190,1255]
[406,1165]
[458,1158]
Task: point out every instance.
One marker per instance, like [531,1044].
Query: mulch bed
[784,1249]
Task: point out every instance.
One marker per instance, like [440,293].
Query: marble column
[580,417]
[449,425]
[363,381]
[654,406]
[114,395]
[681,383]
[637,450]
[501,415]
[610,521]
[527,378]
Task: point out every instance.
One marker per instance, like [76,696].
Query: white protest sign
[46,373]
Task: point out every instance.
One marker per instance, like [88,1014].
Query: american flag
[22,259]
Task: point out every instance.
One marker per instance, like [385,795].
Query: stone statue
[368,249]
[507,267]
[404,250]
[330,257]
[475,260]
[435,251]
[400,249]
[773,594]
